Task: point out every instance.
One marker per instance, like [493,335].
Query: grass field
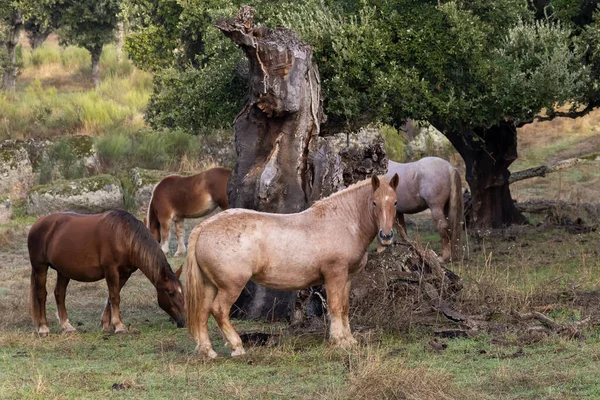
[536,268]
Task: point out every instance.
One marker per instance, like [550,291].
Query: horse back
[188,196]
[423,184]
[75,244]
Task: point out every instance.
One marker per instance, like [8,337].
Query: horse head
[384,208]
[170,295]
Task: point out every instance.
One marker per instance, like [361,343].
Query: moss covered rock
[16,169]
[144,181]
[88,195]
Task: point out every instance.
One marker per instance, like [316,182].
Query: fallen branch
[553,167]
[572,330]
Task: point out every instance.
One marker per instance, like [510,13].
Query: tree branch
[568,114]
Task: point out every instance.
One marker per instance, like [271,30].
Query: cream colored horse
[432,183]
[326,243]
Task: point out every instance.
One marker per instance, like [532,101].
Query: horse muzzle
[384,239]
[180,323]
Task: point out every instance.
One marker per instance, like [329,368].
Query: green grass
[394,359]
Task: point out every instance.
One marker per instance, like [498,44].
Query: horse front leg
[106,314]
[60,293]
[114,290]
[39,273]
[443,228]
[337,285]
[180,232]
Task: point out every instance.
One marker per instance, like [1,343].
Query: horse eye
[395,203]
[374,204]
[171,294]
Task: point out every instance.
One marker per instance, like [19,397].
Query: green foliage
[395,143]
[121,149]
[113,149]
[60,161]
[212,97]
[88,23]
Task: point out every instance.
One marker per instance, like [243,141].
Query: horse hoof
[179,254]
[208,353]
[120,330]
[69,331]
[238,352]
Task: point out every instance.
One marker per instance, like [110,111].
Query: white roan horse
[326,243]
[431,183]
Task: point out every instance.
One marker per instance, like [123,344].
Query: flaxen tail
[193,286]
[455,215]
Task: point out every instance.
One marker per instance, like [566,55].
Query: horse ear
[178,272]
[395,180]
[145,221]
[375,182]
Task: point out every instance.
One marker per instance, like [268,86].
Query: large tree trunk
[488,154]
[273,136]
[10,74]
[96,53]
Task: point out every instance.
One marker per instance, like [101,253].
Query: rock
[341,160]
[16,169]
[144,181]
[6,210]
[88,195]
[20,161]
[428,141]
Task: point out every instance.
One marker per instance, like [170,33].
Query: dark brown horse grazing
[326,243]
[88,248]
[433,183]
[178,197]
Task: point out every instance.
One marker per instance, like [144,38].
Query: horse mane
[144,251]
[342,194]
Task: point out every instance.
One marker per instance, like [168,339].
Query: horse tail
[193,286]
[455,214]
[152,221]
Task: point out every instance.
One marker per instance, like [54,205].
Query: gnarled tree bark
[13,31]
[274,134]
[487,154]
[283,165]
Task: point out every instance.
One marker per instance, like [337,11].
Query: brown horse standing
[178,197]
[88,248]
[326,243]
[432,183]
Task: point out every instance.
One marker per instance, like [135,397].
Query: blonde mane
[342,194]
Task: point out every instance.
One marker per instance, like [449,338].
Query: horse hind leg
[180,231]
[221,307]
[165,229]
[443,229]
[39,273]
[60,292]
[203,344]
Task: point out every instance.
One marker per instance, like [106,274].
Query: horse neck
[354,207]
[152,266]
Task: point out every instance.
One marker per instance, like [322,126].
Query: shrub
[60,161]
[44,55]
[113,149]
